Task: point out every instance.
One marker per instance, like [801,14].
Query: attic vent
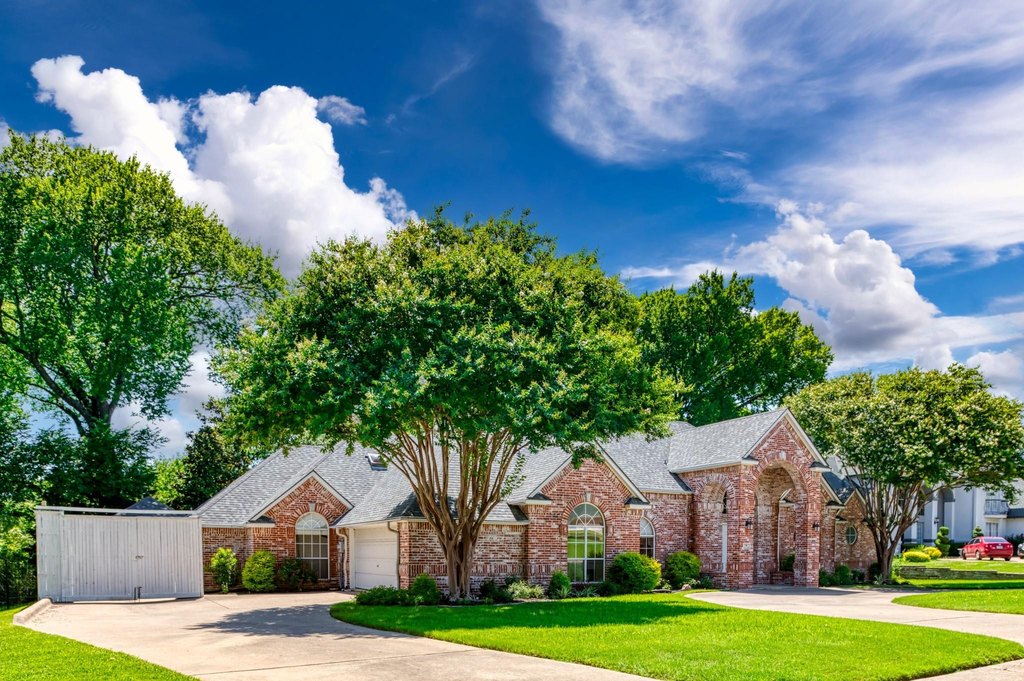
[376,464]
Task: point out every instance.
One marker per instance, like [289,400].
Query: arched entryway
[779,518]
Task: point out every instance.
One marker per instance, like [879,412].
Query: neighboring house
[964,508]
[741,494]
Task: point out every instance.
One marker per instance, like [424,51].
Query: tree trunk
[459,559]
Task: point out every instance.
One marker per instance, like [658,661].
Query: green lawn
[997,600]
[28,655]
[1015,565]
[968,584]
[670,636]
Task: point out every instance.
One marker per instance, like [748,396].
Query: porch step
[782,578]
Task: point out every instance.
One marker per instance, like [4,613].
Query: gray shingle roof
[384,494]
[719,444]
[842,487]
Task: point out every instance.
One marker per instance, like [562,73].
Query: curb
[23,617]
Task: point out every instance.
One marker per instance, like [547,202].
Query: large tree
[727,359]
[453,351]
[907,436]
[109,280]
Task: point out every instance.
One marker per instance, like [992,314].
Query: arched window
[646,538]
[312,544]
[586,544]
[851,535]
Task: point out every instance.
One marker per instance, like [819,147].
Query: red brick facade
[772,505]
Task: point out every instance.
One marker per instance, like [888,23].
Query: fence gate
[101,554]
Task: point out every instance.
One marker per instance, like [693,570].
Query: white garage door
[374,557]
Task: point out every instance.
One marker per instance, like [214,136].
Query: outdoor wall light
[749,523]
[816,526]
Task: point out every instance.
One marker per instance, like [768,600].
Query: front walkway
[287,636]
[877,605]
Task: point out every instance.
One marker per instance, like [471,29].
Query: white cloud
[340,110]
[1004,370]
[921,101]
[267,165]
[169,427]
[856,292]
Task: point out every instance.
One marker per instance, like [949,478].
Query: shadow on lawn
[543,615]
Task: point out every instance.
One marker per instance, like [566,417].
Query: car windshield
[996,540]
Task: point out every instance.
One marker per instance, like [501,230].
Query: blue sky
[861,160]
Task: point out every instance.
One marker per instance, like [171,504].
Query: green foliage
[258,573]
[384,595]
[108,281]
[294,574]
[424,591]
[826,578]
[726,360]
[559,585]
[843,576]
[681,567]
[788,561]
[211,461]
[521,590]
[492,592]
[911,434]
[633,573]
[17,559]
[915,557]
[932,552]
[167,477]
[977,532]
[224,567]
[479,340]
[942,542]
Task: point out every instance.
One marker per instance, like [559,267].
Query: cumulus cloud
[856,292]
[907,145]
[340,110]
[266,164]
[1004,370]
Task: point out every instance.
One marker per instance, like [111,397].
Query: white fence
[86,554]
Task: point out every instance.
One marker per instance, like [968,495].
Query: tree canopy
[728,359]
[108,280]
[906,436]
[452,351]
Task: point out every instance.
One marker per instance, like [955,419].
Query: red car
[987,547]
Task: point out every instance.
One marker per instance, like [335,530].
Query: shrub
[915,557]
[874,570]
[384,595]
[681,567]
[559,586]
[223,566]
[634,573]
[825,578]
[492,592]
[293,574]
[258,573]
[977,533]
[424,591]
[842,576]
[858,576]
[942,541]
[521,590]
[703,582]
[788,561]
[932,552]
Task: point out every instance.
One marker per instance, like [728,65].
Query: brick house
[741,494]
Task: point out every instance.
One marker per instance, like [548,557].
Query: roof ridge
[235,483]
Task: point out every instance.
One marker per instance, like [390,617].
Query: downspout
[398,554]
[343,550]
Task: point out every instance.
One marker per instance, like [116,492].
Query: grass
[1009,601]
[28,655]
[1015,566]
[670,636]
[968,584]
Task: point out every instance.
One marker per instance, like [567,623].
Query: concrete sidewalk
[876,605]
[287,636]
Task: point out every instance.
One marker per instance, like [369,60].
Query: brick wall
[861,554]
[547,532]
[309,496]
[499,553]
[670,515]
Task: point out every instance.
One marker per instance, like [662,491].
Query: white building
[965,508]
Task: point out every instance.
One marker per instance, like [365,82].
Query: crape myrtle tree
[727,359]
[109,280]
[906,436]
[454,352]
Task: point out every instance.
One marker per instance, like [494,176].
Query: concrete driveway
[286,636]
[877,605]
